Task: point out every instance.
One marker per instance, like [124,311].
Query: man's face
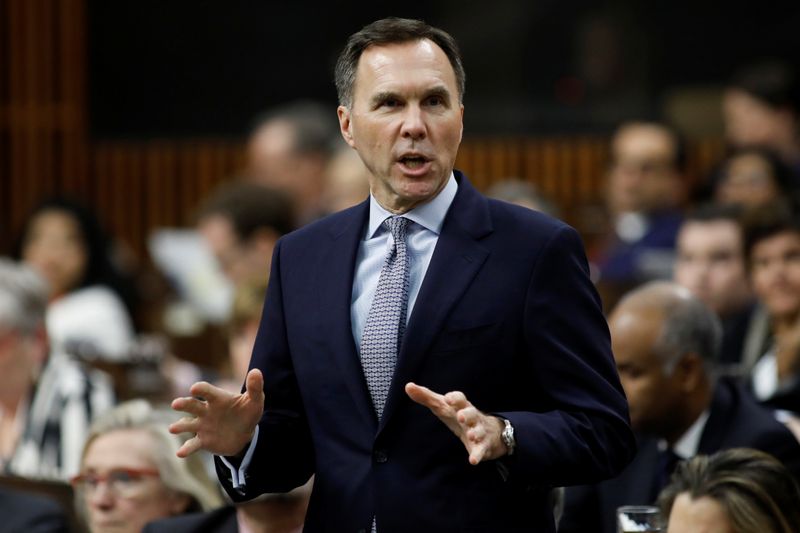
[748,180]
[775,273]
[710,263]
[239,260]
[643,176]
[750,122]
[651,391]
[405,121]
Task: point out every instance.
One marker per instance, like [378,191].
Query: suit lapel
[456,260]
[337,262]
[718,420]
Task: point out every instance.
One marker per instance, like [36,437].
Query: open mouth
[413,161]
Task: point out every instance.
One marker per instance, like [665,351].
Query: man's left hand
[480,433]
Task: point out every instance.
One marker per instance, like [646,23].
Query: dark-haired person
[752,177]
[734,491]
[772,246]
[89,298]
[382,384]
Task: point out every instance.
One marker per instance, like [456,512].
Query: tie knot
[397,227]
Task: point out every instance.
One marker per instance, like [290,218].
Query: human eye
[122,477]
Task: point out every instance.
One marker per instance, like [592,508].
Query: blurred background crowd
[151,155]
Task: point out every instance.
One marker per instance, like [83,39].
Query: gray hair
[185,476]
[23,297]
[392,30]
[689,326]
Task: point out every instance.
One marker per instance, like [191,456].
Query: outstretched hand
[223,423]
[480,433]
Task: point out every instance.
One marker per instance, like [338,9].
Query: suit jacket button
[380,456]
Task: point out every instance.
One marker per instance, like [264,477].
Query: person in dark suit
[20,511]
[503,385]
[664,341]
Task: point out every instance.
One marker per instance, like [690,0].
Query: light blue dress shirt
[421,239]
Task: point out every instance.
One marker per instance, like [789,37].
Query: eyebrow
[438,90]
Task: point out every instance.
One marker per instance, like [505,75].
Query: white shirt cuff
[237,476]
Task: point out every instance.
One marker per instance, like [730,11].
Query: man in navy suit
[504,385]
[665,342]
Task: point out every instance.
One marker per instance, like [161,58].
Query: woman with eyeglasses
[130,474]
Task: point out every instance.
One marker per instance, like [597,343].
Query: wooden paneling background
[45,147]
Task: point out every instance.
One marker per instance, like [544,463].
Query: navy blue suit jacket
[506,314]
[735,420]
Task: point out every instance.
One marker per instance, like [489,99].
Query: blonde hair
[185,476]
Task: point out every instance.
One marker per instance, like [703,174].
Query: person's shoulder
[21,511]
[220,520]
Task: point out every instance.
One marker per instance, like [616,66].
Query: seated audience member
[130,474]
[645,190]
[761,107]
[664,341]
[47,400]
[524,193]
[64,242]
[28,513]
[752,177]
[241,223]
[733,491]
[346,181]
[772,246]
[710,262]
[289,148]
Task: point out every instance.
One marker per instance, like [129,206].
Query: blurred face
[775,274]
[748,181]
[710,263]
[54,247]
[643,175]
[239,260]
[750,122]
[652,393]
[405,121]
[125,503]
[703,515]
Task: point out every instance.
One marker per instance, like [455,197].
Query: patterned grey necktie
[386,320]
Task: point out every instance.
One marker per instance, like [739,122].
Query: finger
[477,453]
[184,425]
[469,416]
[425,396]
[189,447]
[208,392]
[190,405]
[254,385]
[456,399]
[476,434]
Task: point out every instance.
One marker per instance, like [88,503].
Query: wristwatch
[508,436]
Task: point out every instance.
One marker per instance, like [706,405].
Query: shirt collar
[686,447]
[429,215]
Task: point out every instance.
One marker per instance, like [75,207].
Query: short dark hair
[679,155]
[392,30]
[316,130]
[766,221]
[757,492]
[770,81]
[250,207]
[711,212]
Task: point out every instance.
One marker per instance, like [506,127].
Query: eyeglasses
[123,482]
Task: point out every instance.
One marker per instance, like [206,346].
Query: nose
[413,126]
[101,497]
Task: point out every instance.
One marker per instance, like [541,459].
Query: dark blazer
[506,314]
[735,420]
[221,520]
[20,511]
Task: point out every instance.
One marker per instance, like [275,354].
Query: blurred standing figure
[645,191]
[710,262]
[46,400]
[63,241]
[346,181]
[289,148]
[761,107]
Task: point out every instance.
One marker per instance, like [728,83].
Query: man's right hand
[223,423]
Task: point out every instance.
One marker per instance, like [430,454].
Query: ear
[264,239]
[179,503]
[461,130]
[345,125]
[691,372]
